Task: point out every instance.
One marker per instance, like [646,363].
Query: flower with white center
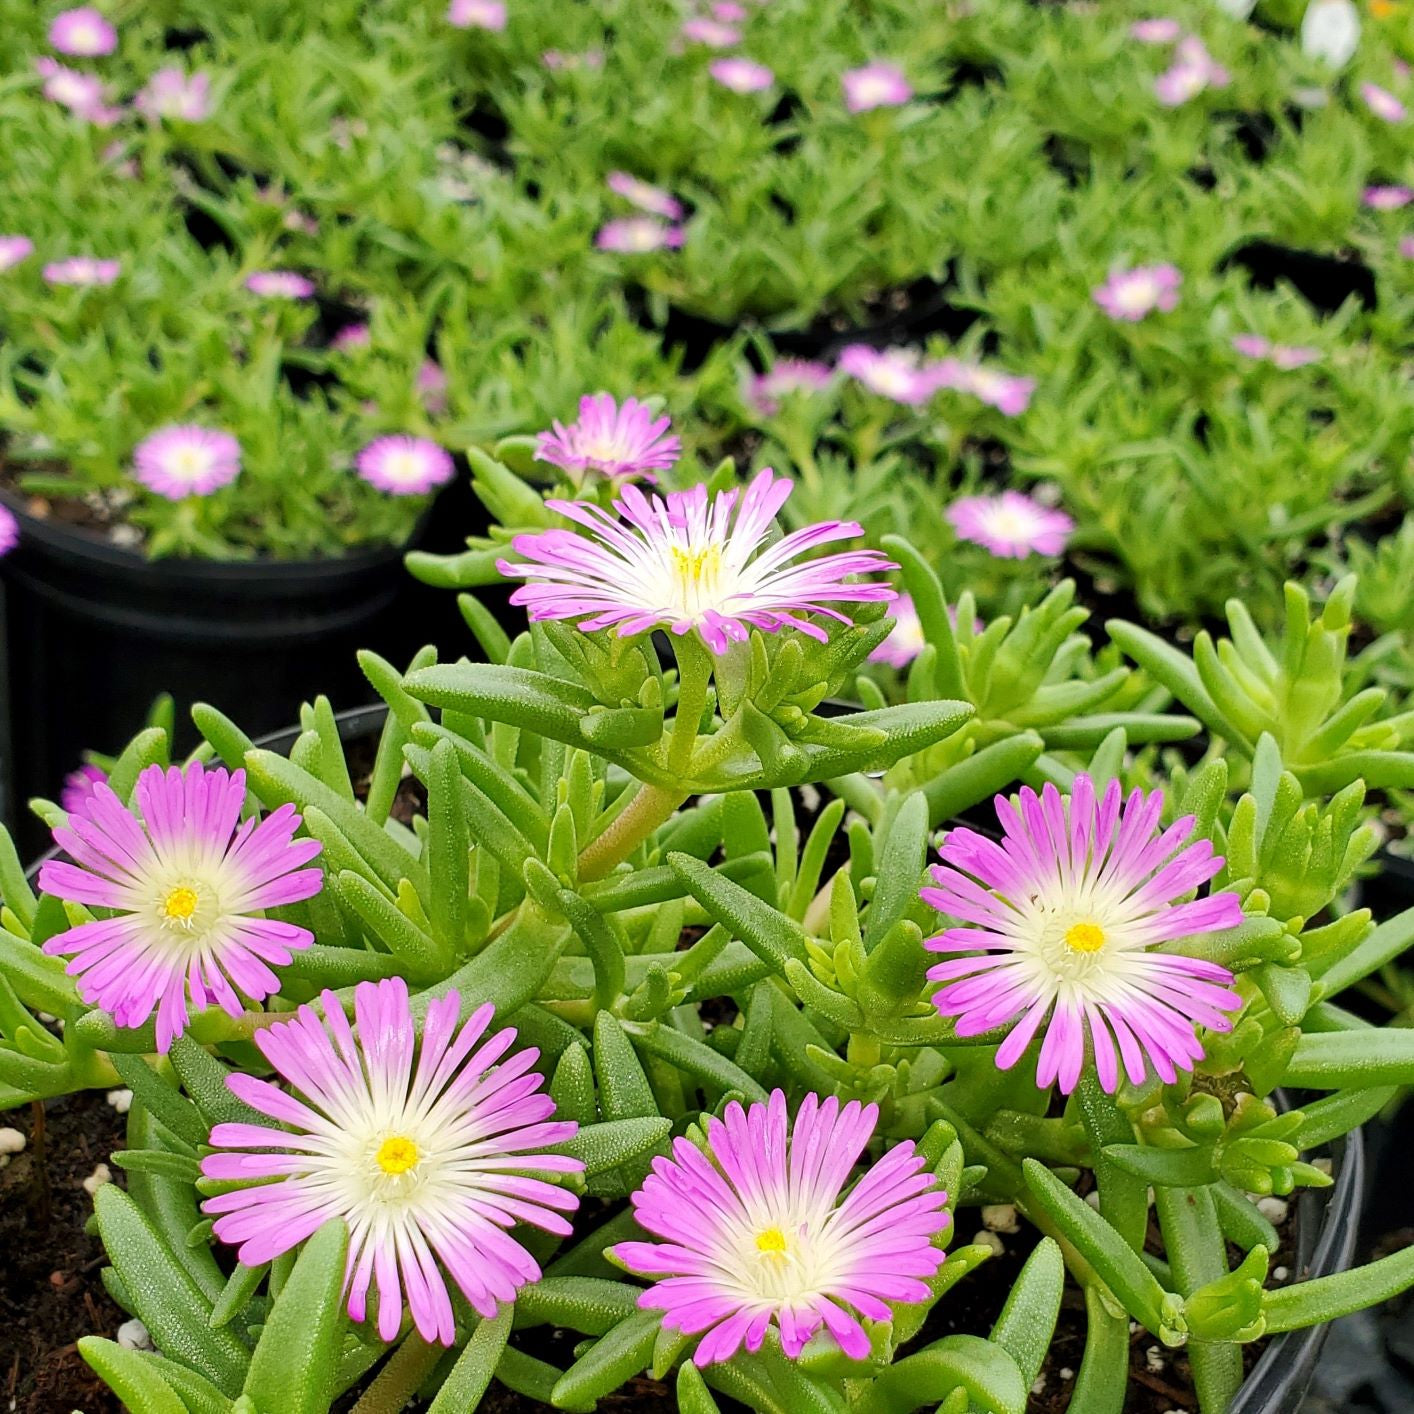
[905,641]
[186,460]
[404,466]
[876,85]
[1159,30]
[279,284]
[1130,295]
[754,1231]
[785,377]
[1009,393]
[741,75]
[692,563]
[82,270]
[712,33]
[83,33]
[1330,31]
[898,373]
[612,440]
[644,195]
[83,95]
[429,1152]
[477,14]
[637,235]
[1010,525]
[1283,356]
[1387,198]
[14,249]
[1193,70]
[182,890]
[1064,921]
[1382,103]
[172,93]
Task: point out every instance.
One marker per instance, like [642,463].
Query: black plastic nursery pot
[91,634]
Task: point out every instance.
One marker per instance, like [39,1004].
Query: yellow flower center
[695,566]
[1085,937]
[397,1154]
[772,1242]
[181,904]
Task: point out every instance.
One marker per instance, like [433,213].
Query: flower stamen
[180,905]
[1085,937]
[397,1154]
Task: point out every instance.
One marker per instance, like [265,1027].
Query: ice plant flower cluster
[82,270]
[690,562]
[1010,525]
[1131,295]
[14,249]
[83,33]
[1284,356]
[897,373]
[477,14]
[187,882]
[612,440]
[875,85]
[1193,70]
[786,376]
[172,93]
[430,1153]
[404,466]
[1062,922]
[1387,198]
[741,75]
[754,1231]
[644,195]
[9,530]
[84,95]
[905,641]
[185,460]
[637,235]
[279,284]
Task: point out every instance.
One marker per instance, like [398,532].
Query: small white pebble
[1134,1328]
[132,1335]
[1280,1273]
[1000,1217]
[12,1141]
[989,1239]
[1273,1209]
[101,1175]
[1154,1359]
[1093,1199]
[1066,1373]
[121,1100]
[1039,1388]
[1324,1165]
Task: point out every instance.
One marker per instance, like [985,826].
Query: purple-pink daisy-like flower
[1009,393]
[9,530]
[876,85]
[186,460]
[1283,356]
[1159,30]
[432,386]
[1387,198]
[785,377]
[404,466]
[1130,295]
[477,14]
[1010,525]
[83,32]
[741,75]
[84,95]
[896,373]
[279,284]
[905,641]
[79,785]
[172,93]
[1193,70]
[351,336]
[729,12]
[690,562]
[430,1154]
[188,884]
[82,270]
[14,249]
[713,33]
[645,195]
[754,1231]
[612,440]
[637,235]
[1065,917]
[1382,103]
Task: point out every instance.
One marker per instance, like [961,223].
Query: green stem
[1104,1369]
[650,807]
[399,1379]
[1124,1199]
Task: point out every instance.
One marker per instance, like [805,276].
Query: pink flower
[1406,247]
[1009,393]
[82,32]
[351,336]
[753,1232]
[644,195]
[9,531]
[612,440]
[1067,916]
[690,562]
[279,284]
[1010,525]
[712,33]
[875,86]
[1130,295]
[905,641]
[1382,103]
[1192,71]
[1387,198]
[430,1153]
[170,93]
[184,460]
[729,12]
[79,786]
[1284,356]
[83,95]
[894,373]
[477,14]
[432,385]
[741,75]
[82,270]
[404,466]
[14,249]
[785,377]
[1156,31]
[188,885]
[637,235]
